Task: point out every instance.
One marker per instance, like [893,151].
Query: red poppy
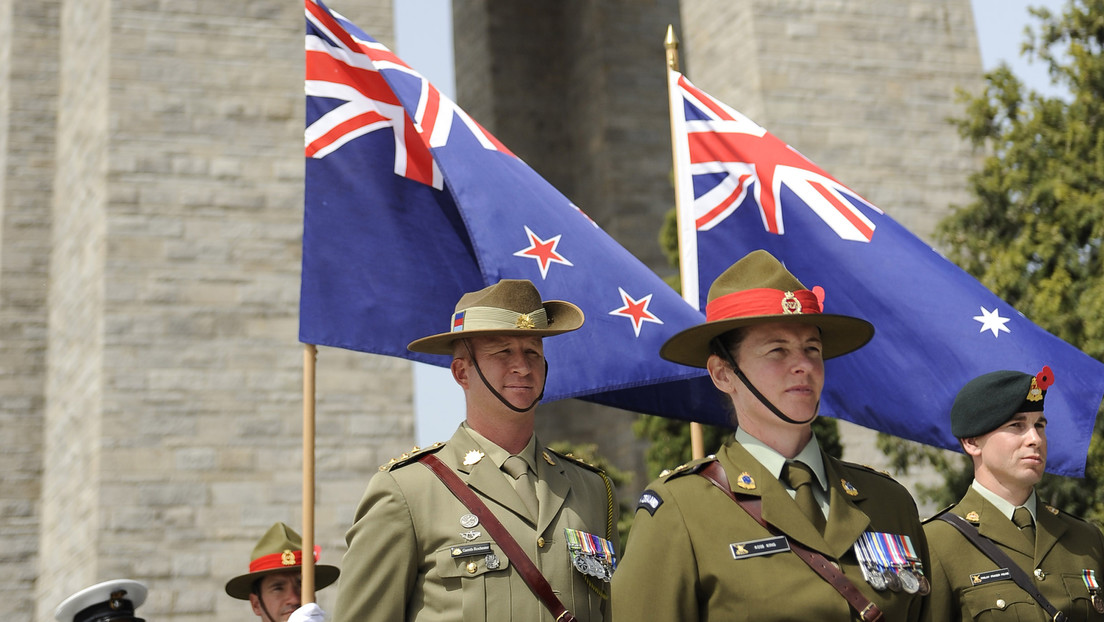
[1044,378]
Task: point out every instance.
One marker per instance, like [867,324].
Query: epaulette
[685,469]
[410,456]
[867,467]
[938,514]
[570,458]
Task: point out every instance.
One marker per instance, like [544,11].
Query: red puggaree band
[761,301]
[287,559]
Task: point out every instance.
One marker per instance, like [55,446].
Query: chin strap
[723,352]
[504,401]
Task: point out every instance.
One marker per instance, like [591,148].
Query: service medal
[892,581]
[909,581]
[876,580]
[1098,603]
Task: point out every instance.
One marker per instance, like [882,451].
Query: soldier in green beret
[417,552]
[1000,553]
[771,527]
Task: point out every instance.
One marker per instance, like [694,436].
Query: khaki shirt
[966,586]
[679,563]
[402,562]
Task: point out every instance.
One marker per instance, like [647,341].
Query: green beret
[991,399]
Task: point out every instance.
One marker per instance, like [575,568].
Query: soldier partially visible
[772,527]
[275,578]
[1001,553]
[110,601]
[417,552]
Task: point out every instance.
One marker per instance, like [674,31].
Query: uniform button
[540,542]
[1039,574]
[472,568]
[1001,603]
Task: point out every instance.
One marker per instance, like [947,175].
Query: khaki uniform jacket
[1064,546]
[679,563]
[400,563]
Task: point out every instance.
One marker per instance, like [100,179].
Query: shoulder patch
[685,469]
[649,500]
[572,459]
[410,456]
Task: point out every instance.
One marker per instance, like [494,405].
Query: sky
[423,36]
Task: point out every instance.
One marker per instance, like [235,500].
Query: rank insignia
[473,457]
[849,488]
[746,481]
[973,517]
[1053,510]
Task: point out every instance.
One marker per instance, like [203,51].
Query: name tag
[755,548]
[470,550]
[988,577]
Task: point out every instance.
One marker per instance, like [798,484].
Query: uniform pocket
[999,600]
[1081,607]
[475,567]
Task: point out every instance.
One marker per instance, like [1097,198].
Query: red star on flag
[543,251]
[636,310]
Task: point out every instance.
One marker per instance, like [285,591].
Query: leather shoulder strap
[529,573]
[868,611]
[1000,558]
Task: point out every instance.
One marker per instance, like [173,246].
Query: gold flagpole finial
[671,43]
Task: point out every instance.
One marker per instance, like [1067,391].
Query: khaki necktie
[518,468]
[1022,518]
[799,476]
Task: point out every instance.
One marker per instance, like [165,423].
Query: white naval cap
[110,600]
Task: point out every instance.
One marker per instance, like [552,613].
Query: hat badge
[790,304]
[288,558]
[524,321]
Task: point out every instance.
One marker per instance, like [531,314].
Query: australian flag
[936,326]
[410,203]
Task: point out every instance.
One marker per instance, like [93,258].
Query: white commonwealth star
[991,320]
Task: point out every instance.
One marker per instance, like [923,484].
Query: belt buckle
[867,610]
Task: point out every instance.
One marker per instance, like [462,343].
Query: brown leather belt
[868,611]
[521,562]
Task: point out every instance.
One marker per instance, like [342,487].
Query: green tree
[1033,231]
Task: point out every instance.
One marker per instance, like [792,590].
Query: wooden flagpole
[670,44]
[307,590]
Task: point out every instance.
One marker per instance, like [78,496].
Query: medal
[865,558]
[1089,577]
[925,586]
[893,582]
[909,581]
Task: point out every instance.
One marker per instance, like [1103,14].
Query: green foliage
[588,452]
[1034,229]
